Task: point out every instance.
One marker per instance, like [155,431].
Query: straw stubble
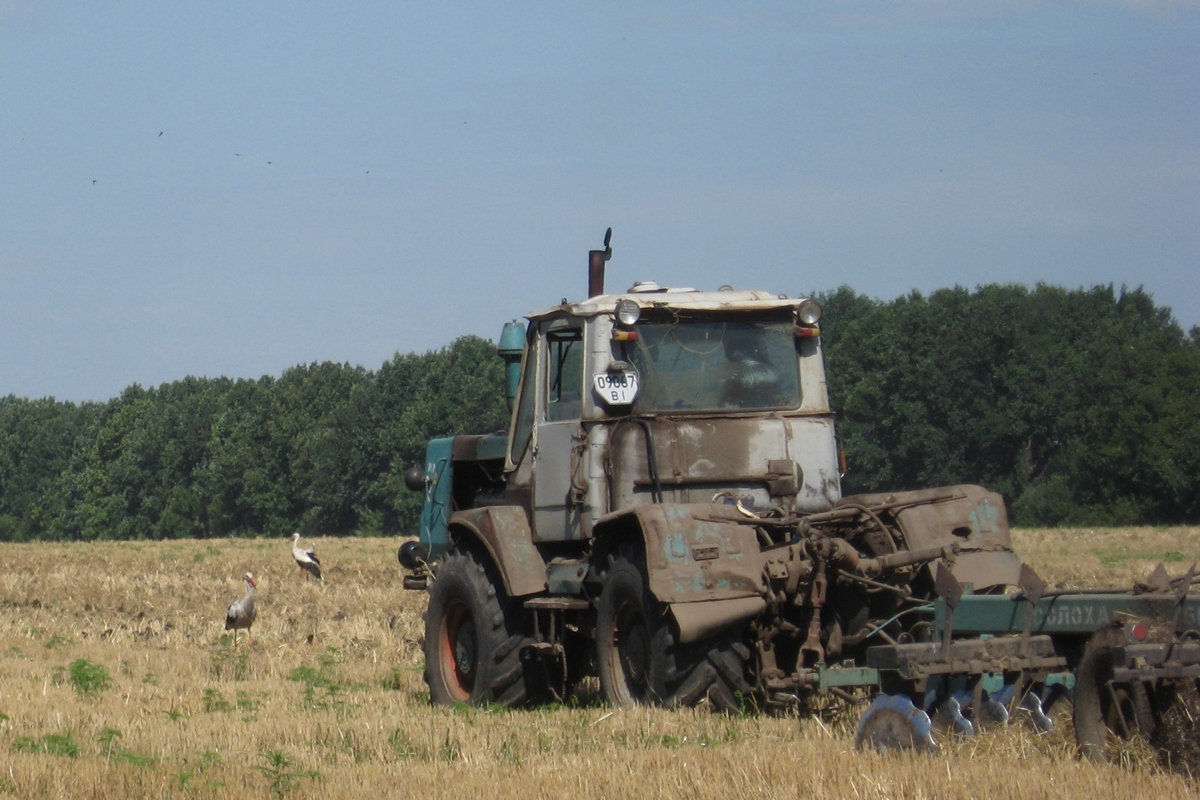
[117,680]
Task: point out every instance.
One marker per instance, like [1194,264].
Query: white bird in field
[242,612]
[306,559]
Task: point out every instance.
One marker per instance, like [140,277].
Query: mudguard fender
[702,561]
[693,552]
[504,532]
[701,620]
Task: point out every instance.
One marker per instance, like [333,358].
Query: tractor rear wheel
[641,661]
[476,637]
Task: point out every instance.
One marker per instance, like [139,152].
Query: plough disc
[894,723]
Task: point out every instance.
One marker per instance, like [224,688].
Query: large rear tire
[476,637]
[641,662]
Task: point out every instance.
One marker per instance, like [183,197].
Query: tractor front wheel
[476,637]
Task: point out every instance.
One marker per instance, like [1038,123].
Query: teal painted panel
[439,488]
[1068,613]
[493,447]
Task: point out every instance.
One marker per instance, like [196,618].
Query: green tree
[459,389]
[37,439]
[243,484]
[1077,405]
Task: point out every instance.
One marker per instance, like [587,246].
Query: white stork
[242,612]
[306,559]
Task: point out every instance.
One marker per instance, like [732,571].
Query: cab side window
[523,427]
[564,375]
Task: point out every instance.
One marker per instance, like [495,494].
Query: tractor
[664,514]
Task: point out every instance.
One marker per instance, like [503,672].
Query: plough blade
[894,723]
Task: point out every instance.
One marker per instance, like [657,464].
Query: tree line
[1080,406]
[322,448]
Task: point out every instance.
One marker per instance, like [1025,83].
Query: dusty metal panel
[814,390]
[744,300]
[699,553]
[813,444]
[596,498]
[701,620]
[971,516]
[504,532]
[986,570]
[695,458]
[971,656]
[555,514]
[566,577]
[829,677]
[1157,661]
[975,510]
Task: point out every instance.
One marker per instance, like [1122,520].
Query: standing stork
[306,559]
[242,612]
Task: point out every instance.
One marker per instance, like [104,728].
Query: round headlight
[628,312]
[809,312]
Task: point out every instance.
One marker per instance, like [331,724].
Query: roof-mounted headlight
[628,313]
[809,312]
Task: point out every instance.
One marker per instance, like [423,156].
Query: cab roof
[651,295]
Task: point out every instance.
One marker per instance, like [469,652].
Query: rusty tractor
[664,514]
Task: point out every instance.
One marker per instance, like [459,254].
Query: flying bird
[306,559]
[242,612]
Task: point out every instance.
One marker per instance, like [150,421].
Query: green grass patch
[191,776]
[54,744]
[283,773]
[405,748]
[214,702]
[228,662]
[322,690]
[88,679]
[393,681]
[109,739]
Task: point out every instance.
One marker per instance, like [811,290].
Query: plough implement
[1129,661]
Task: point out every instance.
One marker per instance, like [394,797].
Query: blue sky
[234,188]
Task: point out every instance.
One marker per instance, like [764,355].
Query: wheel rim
[459,653]
[631,652]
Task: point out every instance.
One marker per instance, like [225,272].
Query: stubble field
[117,680]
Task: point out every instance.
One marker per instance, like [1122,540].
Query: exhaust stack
[596,261]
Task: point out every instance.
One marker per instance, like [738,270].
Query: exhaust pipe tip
[596,261]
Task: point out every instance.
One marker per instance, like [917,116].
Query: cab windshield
[713,363]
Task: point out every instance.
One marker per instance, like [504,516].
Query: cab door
[557,439]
